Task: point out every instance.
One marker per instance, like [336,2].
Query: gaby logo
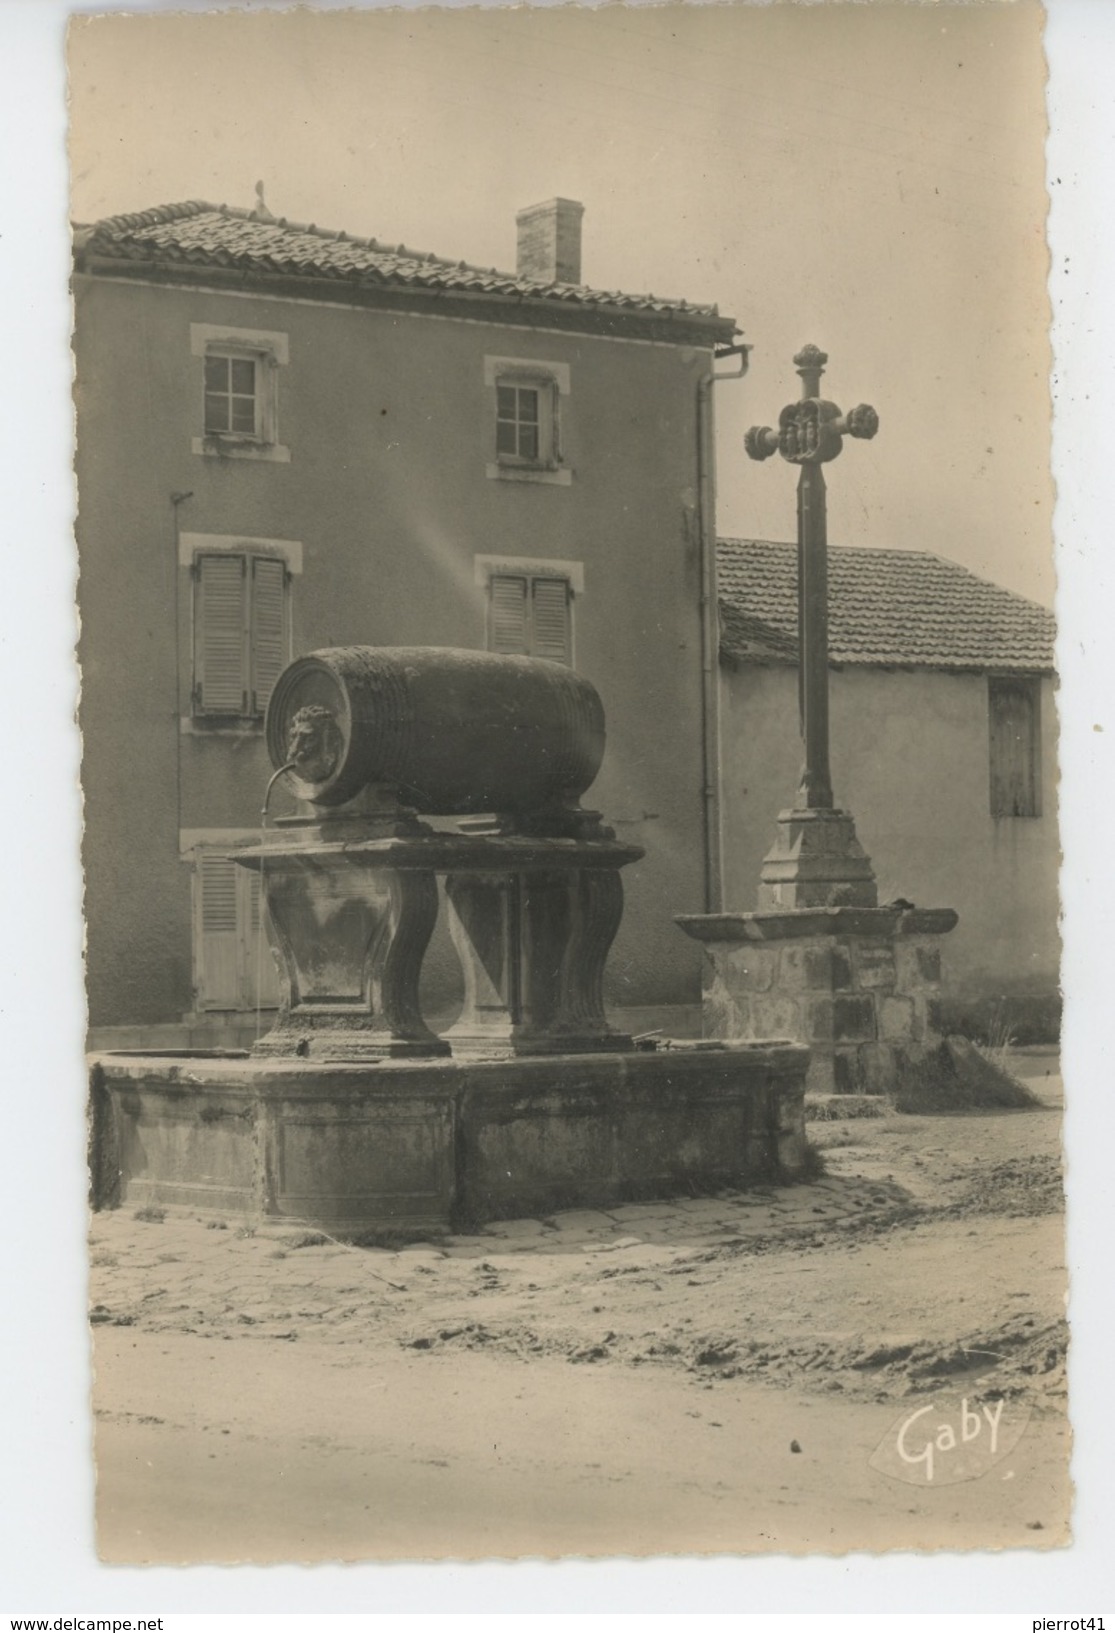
[948,1441]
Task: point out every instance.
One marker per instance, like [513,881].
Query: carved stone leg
[532,945]
[569,921]
[350,943]
[484,926]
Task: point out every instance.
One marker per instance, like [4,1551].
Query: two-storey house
[290,438]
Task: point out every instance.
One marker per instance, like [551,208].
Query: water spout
[283,769]
[291,765]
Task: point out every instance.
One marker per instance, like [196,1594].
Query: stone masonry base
[860,986]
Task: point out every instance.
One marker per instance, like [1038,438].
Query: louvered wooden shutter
[509,631]
[552,454]
[1014,729]
[269,632]
[220,681]
[218,939]
[260,977]
[551,625]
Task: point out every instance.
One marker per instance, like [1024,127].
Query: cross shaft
[810,432]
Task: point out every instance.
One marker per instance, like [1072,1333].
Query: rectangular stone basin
[410,1148]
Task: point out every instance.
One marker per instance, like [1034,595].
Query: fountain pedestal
[532,919]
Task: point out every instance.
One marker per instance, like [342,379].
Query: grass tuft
[844,1108]
[812,1167]
[960,1077]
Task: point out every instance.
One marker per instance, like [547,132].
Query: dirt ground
[730,1374]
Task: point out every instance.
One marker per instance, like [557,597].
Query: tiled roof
[195,236]
[886,607]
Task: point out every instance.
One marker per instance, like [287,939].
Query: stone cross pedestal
[821,962]
[860,986]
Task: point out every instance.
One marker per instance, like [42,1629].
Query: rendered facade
[290,440]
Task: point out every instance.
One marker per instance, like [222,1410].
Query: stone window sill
[215,726]
[211,448]
[559,476]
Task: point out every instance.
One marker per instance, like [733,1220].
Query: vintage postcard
[570,765]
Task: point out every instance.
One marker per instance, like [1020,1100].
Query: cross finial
[810,364]
[812,431]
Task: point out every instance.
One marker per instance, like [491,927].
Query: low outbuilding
[943,747]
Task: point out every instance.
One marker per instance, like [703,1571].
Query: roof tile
[896,608]
[200,234]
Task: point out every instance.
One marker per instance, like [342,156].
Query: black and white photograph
[571,903]
[568,687]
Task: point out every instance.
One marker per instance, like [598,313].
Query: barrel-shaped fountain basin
[449,732]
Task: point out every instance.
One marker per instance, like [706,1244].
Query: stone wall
[859,986]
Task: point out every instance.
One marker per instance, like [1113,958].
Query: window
[531,614]
[233,964]
[528,604]
[1014,715]
[232,398]
[239,391]
[517,422]
[526,426]
[241,632]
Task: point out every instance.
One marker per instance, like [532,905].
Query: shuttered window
[509,614]
[268,648]
[1014,718]
[233,966]
[241,632]
[550,612]
[218,948]
[531,615]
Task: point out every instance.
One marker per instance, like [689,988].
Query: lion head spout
[314,743]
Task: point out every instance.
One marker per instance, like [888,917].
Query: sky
[868,178]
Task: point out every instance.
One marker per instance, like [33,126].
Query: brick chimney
[550,241]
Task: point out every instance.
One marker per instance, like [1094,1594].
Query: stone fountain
[413,765]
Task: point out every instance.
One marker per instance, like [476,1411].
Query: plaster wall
[910,760]
[390,427]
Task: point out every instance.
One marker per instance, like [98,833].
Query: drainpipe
[710,626]
[177,499]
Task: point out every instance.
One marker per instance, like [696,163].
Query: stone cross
[811,432]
